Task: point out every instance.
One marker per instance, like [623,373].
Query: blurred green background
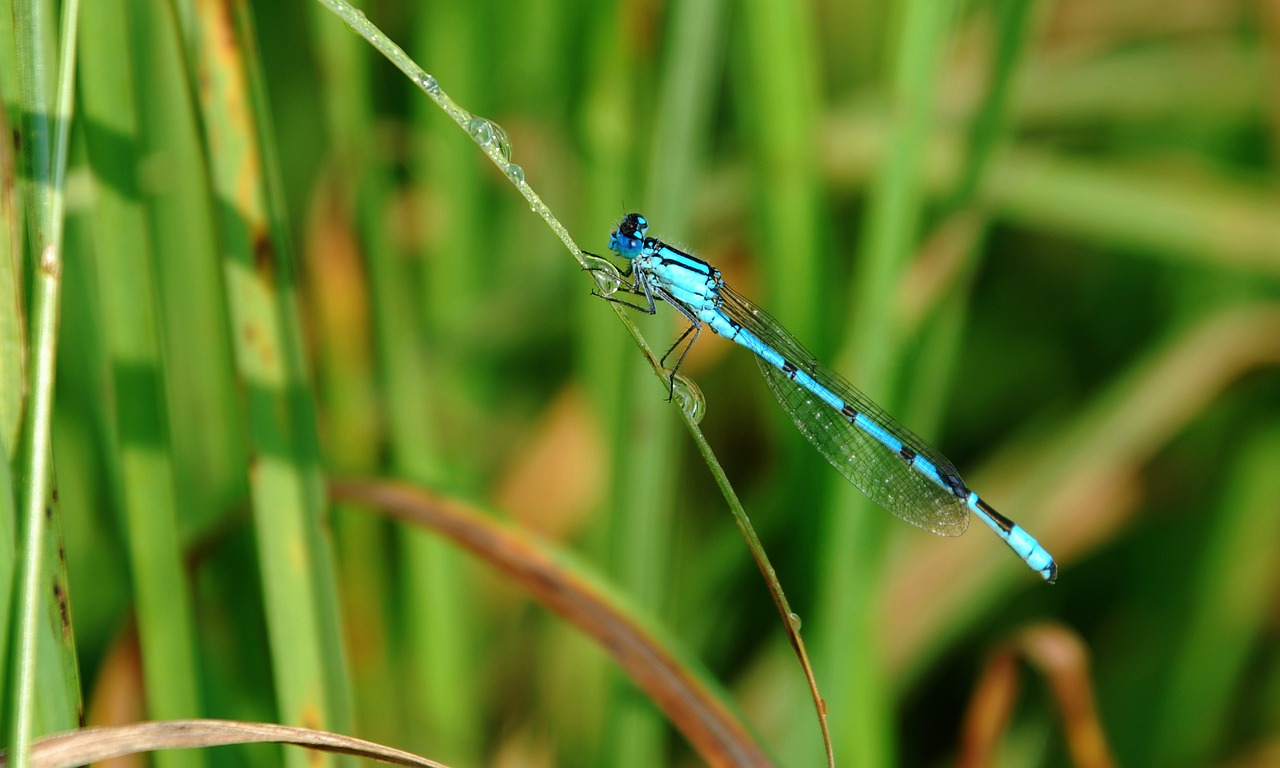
[1044,235]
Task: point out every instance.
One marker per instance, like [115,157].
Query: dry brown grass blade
[90,745]
[708,724]
[1059,655]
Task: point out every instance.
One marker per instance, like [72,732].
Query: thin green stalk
[790,619]
[45,171]
[495,145]
[491,139]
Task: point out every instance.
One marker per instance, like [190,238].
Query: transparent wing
[880,473]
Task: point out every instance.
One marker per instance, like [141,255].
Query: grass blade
[140,461]
[284,466]
[46,134]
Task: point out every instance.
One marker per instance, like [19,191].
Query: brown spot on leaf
[264,256]
[64,609]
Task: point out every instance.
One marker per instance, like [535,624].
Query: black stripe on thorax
[694,263]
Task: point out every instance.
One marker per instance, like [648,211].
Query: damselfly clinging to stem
[882,458]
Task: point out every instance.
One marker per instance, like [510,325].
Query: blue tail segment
[879,456]
[1021,542]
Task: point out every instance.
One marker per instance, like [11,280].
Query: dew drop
[428,84]
[794,618]
[608,281]
[689,397]
[481,130]
[515,173]
[490,135]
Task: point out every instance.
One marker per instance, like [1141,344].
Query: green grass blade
[612,142]
[141,457]
[1179,219]
[642,526]
[959,239]
[852,549]
[8,570]
[284,464]
[1227,614]
[779,91]
[208,442]
[12,333]
[13,375]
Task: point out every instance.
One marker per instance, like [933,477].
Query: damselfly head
[628,239]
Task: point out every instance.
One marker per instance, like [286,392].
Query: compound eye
[635,225]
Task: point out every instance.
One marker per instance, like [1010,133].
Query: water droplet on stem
[608,281]
[688,397]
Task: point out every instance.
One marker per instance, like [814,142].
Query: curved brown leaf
[90,745]
[672,683]
[1059,655]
